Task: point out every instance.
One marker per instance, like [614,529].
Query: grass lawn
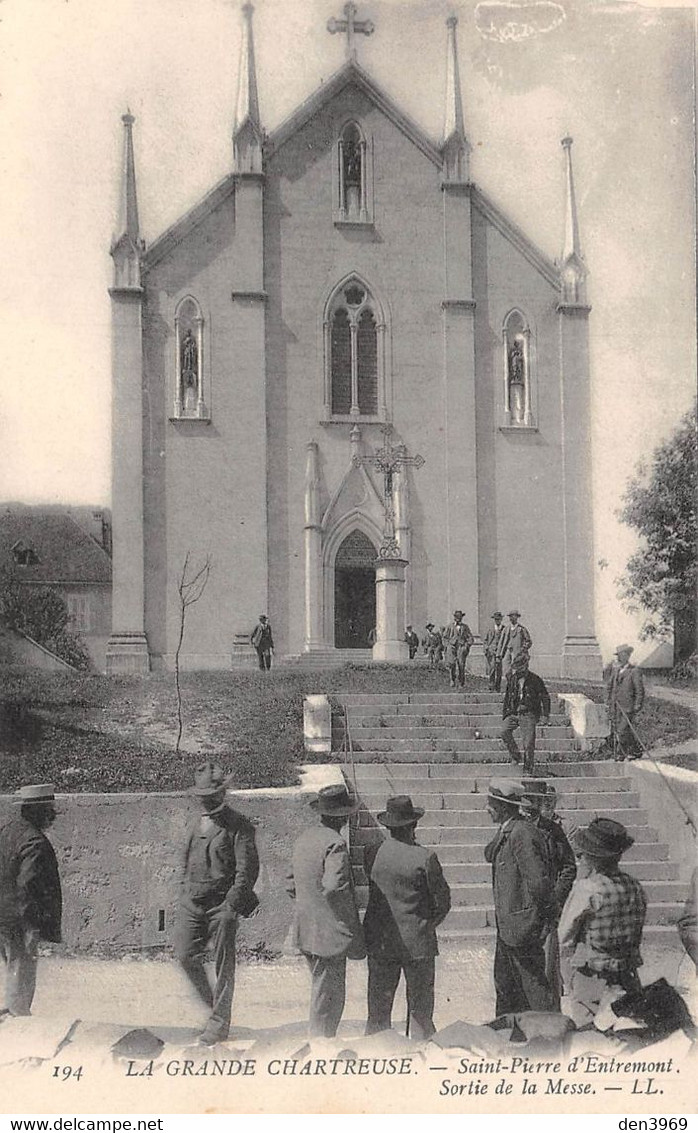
[93,733]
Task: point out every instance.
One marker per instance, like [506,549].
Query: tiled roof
[62,550]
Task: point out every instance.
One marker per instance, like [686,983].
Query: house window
[518,397]
[353,197]
[79,612]
[354,355]
[189,401]
[24,554]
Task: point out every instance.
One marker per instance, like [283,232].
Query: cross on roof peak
[351,27]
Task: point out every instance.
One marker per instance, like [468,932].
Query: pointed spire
[127,246]
[247,134]
[572,269]
[455,145]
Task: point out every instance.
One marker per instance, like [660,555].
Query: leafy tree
[660,503]
[41,613]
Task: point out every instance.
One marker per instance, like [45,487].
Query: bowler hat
[334,801]
[623,649]
[603,838]
[505,790]
[35,793]
[458,613]
[399,811]
[515,612]
[209,779]
[535,790]
[262,617]
[496,614]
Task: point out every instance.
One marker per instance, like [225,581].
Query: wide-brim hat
[514,612]
[496,614]
[505,790]
[399,811]
[334,801]
[603,838]
[263,618]
[623,649]
[35,793]
[209,779]
[458,613]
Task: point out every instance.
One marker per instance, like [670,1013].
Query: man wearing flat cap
[408,898]
[625,695]
[515,641]
[30,892]
[492,642]
[523,908]
[602,921]
[221,867]
[457,641]
[326,928]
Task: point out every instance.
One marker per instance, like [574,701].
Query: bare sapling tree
[190,587]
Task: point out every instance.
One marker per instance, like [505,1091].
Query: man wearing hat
[515,641]
[523,905]
[526,704]
[412,641]
[326,928]
[408,898]
[457,641]
[30,892]
[221,867]
[602,921]
[432,644]
[263,642]
[538,805]
[625,695]
[492,641]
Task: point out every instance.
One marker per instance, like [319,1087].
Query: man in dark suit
[493,640]
[326,928]
[412,641]
[221,867]
[263,642]
[432,644]
[522,887]
[408,898]
[526,704]
[457,640]
[515,640]
[30,893]
[625,695]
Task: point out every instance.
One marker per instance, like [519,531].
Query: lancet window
[354,354]
[189,369]
[518,384]
[353,204]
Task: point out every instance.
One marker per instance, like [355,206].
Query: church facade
[347,291]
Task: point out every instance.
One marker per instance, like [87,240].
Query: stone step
[479,871]
[456,733]
[482,916]
[460,835]
[470,894]
[427,745]
[371,699]
[652,855]
[481,755]
[662,935]
[415,772]
[371,779]
[569,801]
[451,817]
[473,719]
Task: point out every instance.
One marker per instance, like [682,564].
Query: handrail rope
[689,818]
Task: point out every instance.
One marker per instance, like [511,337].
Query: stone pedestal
[390,611]
[243,655]
[127,655]
[581,658]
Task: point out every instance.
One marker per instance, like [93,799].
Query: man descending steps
[526,704]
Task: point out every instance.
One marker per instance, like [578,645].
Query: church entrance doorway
[354,592]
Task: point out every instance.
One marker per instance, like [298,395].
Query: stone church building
[347,291]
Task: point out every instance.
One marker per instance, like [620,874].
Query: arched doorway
[354,592]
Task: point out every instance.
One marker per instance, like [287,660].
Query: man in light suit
[326,928]
[625,695]
[515,641]
[492,641]
[408,898]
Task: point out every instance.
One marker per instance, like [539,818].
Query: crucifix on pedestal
[390,565]
[351,26]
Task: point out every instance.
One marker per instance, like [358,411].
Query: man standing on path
[515,641]
[326,928]
[457,641]
[625,695]
[263,642]
[538,805]
[408,898]
[602,921]
[492,642]
[412,642]
[30,893]
[433,645]
[526,704]
[221,867]
[522,886]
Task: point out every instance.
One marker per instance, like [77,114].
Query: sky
[617,76]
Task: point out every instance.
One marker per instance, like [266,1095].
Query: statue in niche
[352,175]
[517,380]
[190,371]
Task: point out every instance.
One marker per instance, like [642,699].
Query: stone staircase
[442,749]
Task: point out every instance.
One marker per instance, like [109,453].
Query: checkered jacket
[609,923]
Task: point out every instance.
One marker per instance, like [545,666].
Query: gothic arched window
[353,204]
[354,354]
[516,334]
[189,367]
